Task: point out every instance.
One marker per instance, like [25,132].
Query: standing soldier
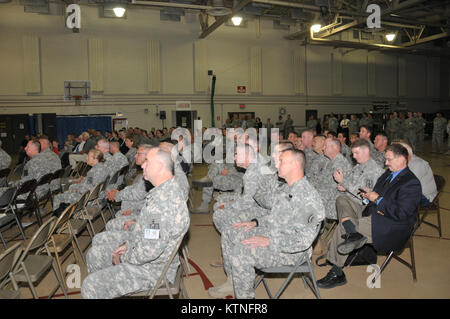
[421,123]
[410,130]
[353,125]
[364,120]
[280,125]
[400,126]
[390,127]
[439,125]
[288,126]
[333,124]
[312,123]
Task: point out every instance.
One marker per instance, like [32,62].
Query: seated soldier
[96,174]
[319,161]
[278,239]
[128,261]
[380,145]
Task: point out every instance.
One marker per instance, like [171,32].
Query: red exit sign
[241,89]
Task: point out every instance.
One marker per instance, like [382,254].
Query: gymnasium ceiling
[420,26]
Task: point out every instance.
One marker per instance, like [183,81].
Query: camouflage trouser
[68,197]
[411,137]
[420,139]
[241,261]
[107,281]
[347,208]
[222,183]
[226,217]
[438,141]
[117,223]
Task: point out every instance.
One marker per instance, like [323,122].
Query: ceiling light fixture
[236,20]
[316,27]
[119,11]
[390,37]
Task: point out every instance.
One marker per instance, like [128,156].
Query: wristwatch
[256,221]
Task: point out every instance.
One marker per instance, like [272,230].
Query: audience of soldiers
[268,216]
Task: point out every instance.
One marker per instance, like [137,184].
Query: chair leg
[30,283]
[413,261]
[439,221]
[60,281]
[267,288]
[76,244]
[3,241]
[59,266]
[313,279]
[388,258]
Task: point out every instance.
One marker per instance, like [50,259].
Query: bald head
[45,143]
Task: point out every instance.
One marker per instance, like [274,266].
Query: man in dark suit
[387,221]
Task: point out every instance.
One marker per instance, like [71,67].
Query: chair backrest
[47,178]
[440,183]
[8,259]
[7,197]
[124,170]
[62,219]
[67,171]
[58,174]
[166,267]
[26,187]
[5,172]
[18,170]
[38,240]
[94,193]
[78,168]
[106,181]
[81,202]
[114,178]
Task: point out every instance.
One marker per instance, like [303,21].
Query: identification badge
[152,232]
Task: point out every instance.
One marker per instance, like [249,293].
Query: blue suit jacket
[393,218]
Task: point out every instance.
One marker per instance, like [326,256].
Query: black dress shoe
[352,241]
[331,280]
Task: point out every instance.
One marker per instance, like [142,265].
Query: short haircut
[285,146]
[166,158]
[103,143]
[398,150]
[360,143]
[298,156]
[36,144]
[97,155]
[309,132]
[115,143]
[383,134]
[368,129]
[334,134]
[131,138]
[322,137]
[295,133]
[335,141]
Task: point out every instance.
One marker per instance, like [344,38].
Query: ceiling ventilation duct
[218,9]
[35,6]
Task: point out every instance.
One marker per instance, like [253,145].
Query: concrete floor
[432,259]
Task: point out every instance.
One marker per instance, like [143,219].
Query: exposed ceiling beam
[223,19]
[401,6]
[171,4]
[340,29]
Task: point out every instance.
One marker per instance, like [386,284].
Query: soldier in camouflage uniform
[132,197]
[236,121]
[364,120]
[130,261]
[380,144]
[117,161]
[319,161]
[225,177]
[324,181]
[353,124]
[281,238]
[231,208]
[35,168]
[5,161]
[333,123]
[130,143]
[312,123]
[410,130]
[96,174]
[53,161]
[439,126]
[421,123]
[401,124]
[288,126]
[345,149]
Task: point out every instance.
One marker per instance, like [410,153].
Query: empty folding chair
[30,268]
[60,241]
[77,225]
[7,261]
[17,171]
[302,266]
[94,210]
[440,184]
[163,287]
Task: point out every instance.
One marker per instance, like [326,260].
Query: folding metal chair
[168,289]
[92,212]
[440,184]
[4,173]
[42,202]
[58,175]
[30,268]
[28,204]
[17,171]
[7,261]
[329,226]
[302,266]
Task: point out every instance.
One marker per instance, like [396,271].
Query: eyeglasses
[138,153]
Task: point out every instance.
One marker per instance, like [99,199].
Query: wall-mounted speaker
[162,115]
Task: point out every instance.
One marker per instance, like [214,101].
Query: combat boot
[224,290]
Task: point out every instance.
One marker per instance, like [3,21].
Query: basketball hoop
[77,99]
